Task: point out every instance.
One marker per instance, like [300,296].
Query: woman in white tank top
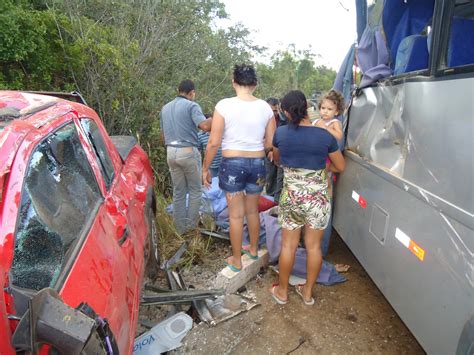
[244,126]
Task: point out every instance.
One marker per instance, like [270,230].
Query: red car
[76,218]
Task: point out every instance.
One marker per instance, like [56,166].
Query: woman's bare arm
[269,133]
[268,143]
[338,163]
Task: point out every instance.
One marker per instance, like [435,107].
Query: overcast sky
[328,26]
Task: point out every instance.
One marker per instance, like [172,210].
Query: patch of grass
[208,222]
[198,249]
[169,241]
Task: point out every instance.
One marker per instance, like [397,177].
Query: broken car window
[100,149]
[59,194]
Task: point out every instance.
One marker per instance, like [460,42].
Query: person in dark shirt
[274,180]
[301,149]
[203,138]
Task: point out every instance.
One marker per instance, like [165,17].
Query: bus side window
[461,42]
[412,54]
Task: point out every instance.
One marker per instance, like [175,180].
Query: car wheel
[151,255]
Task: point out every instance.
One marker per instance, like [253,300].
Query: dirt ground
[352,317]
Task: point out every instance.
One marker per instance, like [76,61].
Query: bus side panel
[432,296]
[416,242]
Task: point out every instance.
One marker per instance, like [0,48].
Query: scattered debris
[215,235]
[49,320]
[164,336]
[226,307]
[179,297]
[209,306]
[167,264]
[301,342]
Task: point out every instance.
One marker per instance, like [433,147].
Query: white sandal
[277,300]
[298,291]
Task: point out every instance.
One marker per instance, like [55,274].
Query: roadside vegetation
[126,57]
[169,240]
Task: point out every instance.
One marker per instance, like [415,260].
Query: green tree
[290,70]
[31,54]
[127,58]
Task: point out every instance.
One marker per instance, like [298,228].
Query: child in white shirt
[331,105]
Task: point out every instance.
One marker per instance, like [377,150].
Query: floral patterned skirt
[304,199]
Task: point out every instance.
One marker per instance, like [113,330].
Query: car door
[124,207]
[125,195]
[63,238]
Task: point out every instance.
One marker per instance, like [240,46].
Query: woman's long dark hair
[296,105]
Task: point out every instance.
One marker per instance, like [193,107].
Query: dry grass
[198,249]
[169,240]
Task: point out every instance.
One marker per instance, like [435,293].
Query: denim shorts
[242,174]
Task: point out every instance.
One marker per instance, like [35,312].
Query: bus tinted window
[461,41]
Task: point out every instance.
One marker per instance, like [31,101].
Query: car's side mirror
[49,320]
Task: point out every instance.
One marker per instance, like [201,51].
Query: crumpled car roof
[18,116]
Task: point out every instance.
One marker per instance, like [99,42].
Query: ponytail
[296,105]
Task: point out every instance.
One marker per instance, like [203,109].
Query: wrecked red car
[77,228]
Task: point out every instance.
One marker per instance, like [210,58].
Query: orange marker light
[410,244]
[415,249]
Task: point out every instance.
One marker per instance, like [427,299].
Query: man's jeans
[185,168]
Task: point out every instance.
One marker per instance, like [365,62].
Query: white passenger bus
[405,203]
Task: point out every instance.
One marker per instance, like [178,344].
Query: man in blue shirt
[180,120]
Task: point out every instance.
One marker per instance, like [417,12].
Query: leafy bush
[127,58]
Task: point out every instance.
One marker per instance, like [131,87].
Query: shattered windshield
[59,194]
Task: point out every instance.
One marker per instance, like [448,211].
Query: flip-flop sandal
[342,268]
[247,252]
[277,300]
[298,291]
[232,267]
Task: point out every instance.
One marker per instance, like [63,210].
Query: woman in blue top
[301,149]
